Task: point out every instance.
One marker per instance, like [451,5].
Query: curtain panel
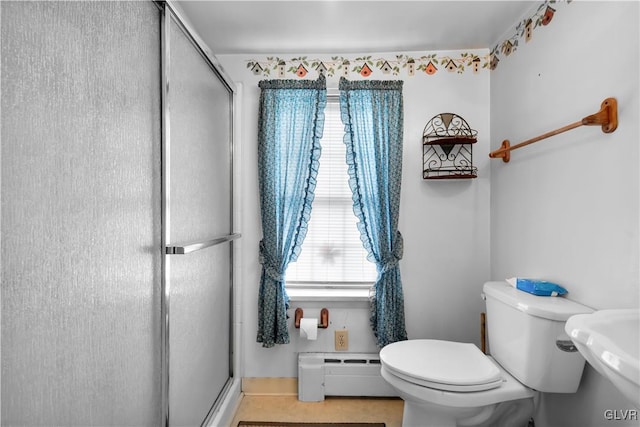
[289,130]
[372,112]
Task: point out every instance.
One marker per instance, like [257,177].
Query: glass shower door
[81,216]
[199,223]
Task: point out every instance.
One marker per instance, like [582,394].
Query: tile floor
[332,409]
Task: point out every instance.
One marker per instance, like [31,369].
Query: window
[332,252]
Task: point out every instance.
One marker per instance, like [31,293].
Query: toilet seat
[511,389]
[441,365]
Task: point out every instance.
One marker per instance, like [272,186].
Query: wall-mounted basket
[447,152]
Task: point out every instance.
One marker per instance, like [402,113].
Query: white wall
[566,208]
[445,226]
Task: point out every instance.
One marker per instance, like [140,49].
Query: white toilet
[447,384]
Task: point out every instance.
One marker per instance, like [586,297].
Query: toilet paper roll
[309,328]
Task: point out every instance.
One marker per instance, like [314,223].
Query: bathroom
[566,209]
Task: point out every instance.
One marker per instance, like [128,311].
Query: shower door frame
[169,13]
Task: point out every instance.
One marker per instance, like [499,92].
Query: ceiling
[338,27]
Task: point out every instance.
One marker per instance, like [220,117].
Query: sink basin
[610,341]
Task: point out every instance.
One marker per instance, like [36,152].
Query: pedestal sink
[610,341]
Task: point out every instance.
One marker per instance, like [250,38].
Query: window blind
[332,251]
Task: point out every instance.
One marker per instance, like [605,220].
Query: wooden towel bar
[607,118]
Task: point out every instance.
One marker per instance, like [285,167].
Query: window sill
[298,294]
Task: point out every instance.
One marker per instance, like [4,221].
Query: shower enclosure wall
[116,218]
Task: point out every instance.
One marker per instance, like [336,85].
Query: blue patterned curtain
[372,112]
[289,132]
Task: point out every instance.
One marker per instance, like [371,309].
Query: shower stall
[117,218]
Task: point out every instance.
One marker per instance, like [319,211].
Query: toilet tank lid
[553,308]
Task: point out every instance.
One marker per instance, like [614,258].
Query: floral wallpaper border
[429,63]
[524,30]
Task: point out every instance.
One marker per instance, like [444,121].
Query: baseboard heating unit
[340,374]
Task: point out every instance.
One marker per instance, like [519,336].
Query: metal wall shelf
[447,152]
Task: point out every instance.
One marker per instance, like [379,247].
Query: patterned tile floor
[333,409]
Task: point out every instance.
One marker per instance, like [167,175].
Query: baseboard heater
[340,374]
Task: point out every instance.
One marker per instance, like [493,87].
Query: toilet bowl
[451,384]
[448,384]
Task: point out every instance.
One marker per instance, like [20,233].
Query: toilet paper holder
[323,322]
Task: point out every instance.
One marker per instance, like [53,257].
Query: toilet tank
[523,330]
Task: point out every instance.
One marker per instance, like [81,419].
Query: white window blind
[332,251]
